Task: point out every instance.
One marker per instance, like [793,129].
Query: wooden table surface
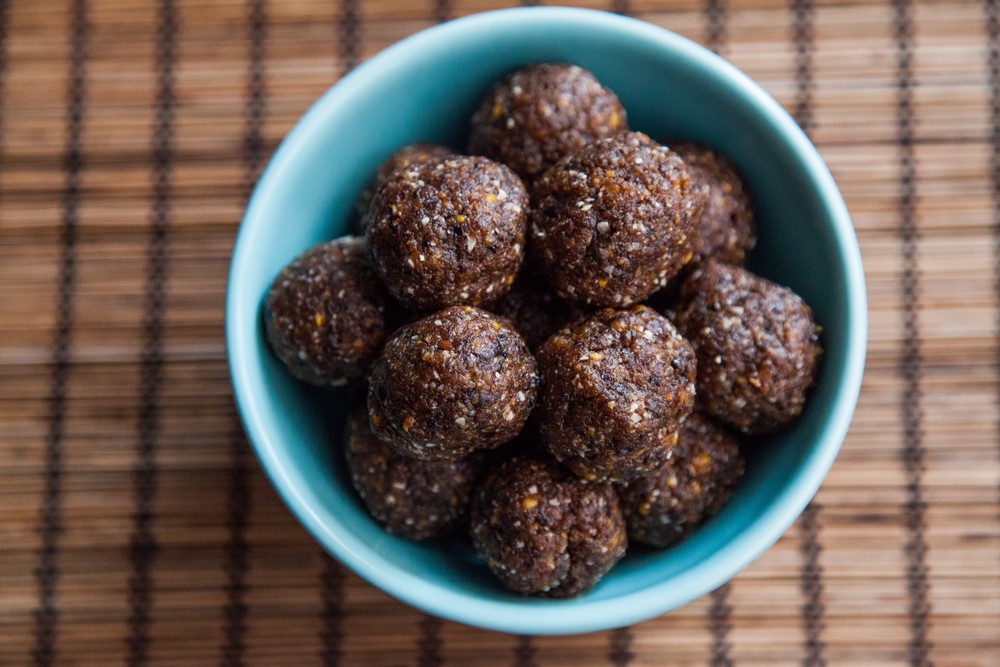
[135,524]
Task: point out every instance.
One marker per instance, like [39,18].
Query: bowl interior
[425,89]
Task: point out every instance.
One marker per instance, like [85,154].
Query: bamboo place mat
[136,526]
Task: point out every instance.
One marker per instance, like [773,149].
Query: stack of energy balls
[519,386]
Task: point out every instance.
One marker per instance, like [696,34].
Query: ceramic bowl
[425,89]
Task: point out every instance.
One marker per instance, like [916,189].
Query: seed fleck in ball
[725,232]
[615,389]
[408,497]
[614,221]
[665,506]
[325,314]
[456,381]
[448,231]
[542,113]
[401,159]
[757,347]
[543,531]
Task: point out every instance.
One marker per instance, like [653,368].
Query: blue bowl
[425,89]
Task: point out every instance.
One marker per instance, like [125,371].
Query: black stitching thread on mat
[810,547]
[719,614]
[237,564]
[993,33]
[234,612]
[4,30]
[350,35]
[803,19]
[430,643]
[620,650]
[332,597]
[525,653]
[143,545]
[47,573]
[812,586]
[910,361]
[715,25]
[442,11]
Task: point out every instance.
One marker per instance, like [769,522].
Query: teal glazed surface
[425,89]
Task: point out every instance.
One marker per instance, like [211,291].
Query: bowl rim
[531,615]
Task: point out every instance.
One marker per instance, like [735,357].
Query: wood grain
[863,530]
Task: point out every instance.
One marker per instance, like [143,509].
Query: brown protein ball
[540,114]
[664,507]
[757,347]
[534,309]
[615,389]
[541,530]
[408,497]
[456,381]
[401,159]
[614,221]
[325,313]
[726,230]
[448,231]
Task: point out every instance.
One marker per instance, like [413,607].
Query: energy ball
[542,530]
[757,347]
[401,159]
[459,380]
[664,507]
[615,389]
[448,231]
[325,313]
[615,220]
[540,114]
[535,310]
[408,497]
[726,230]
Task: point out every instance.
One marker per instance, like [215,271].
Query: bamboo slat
[273,598]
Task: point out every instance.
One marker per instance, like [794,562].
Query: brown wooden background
[135,526]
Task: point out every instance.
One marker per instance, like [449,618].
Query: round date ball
[448,231]
[614,221]
[615,389]
[401,159]
[325,313]
[541,113]
[456,381]
[664,507]
[726,230]
[535,310]
[542,530]
[408,497]
[757,347]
